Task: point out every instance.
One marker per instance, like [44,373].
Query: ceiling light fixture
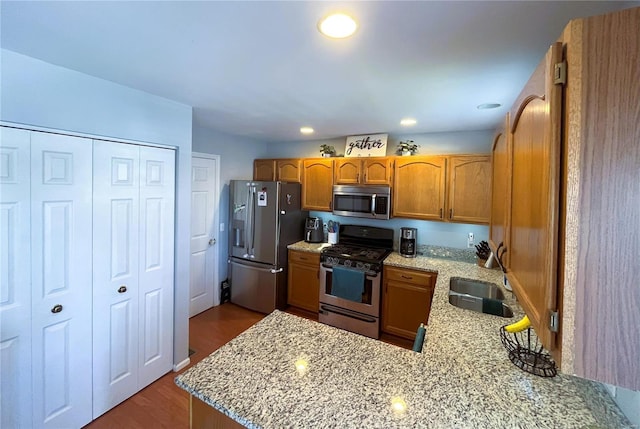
[486,106]
[407,122]
[306,130]
[337,26]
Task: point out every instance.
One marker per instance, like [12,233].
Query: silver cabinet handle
[122,289]
[56,308]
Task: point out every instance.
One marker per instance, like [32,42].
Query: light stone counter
[463,378]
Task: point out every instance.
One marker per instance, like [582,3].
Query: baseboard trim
[179,366]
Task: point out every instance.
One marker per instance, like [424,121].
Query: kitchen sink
[477,295]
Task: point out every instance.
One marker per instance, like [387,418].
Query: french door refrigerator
[264,218]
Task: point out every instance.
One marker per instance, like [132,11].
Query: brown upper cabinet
[534,209]
[317,184]
[469,189]
[264,169]
[365,171]
[571,222]
[500,192]
[286,169]
[289,170]
[419,187]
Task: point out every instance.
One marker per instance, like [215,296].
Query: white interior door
[61,279]
[204,196]
[157,196]
[115,273]
[15,279]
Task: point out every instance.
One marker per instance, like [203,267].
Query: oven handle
[347,313]
[370,274]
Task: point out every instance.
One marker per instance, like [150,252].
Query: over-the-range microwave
[362,201]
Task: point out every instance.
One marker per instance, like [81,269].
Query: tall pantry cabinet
[58,329]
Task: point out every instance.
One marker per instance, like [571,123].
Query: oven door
[370,304]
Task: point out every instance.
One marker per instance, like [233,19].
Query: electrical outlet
[470,239]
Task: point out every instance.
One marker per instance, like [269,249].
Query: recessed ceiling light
[337,26]
[306,130]
[485,106]
[407,122]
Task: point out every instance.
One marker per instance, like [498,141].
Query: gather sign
[366,145]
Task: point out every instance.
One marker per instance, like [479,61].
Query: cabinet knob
[56,308]
[122,289]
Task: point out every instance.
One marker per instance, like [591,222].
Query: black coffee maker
[313,232]
[408,247]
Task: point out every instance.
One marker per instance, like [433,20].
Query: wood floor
[165,405]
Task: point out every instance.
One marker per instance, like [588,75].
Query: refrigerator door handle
[249,226]
[253,223]
[279,270]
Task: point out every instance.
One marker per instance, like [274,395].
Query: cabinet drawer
[304,257]
[419,278]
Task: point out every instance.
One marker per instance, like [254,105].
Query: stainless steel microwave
[362,201]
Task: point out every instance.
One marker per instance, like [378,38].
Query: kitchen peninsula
[287,371]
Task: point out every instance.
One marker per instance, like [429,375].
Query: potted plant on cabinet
[327,150]
[407,148]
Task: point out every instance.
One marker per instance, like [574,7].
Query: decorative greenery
[325,148]
[407,146]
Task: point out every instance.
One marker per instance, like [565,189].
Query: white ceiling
[262,70]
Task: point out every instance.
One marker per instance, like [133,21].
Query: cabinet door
[317,184]
[377,171]
[303,283]
[264,169]
[155,272]
[15,266]
[289,170]
[535,131]
[419,187]
[61,279]
[115,273]
[500,192]
[347,171]
[469,189]
[406,301]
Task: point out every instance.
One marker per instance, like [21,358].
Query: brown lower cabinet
[406,300]
[303,280]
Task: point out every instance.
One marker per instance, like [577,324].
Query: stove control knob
[367,267]
[347,263]
[359,265]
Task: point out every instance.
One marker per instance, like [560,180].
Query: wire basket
[527,353]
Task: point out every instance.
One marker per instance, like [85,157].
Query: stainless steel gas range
[351,279]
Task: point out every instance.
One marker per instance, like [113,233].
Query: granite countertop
[463,378]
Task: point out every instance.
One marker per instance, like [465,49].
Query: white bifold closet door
[46,280]
[133,271]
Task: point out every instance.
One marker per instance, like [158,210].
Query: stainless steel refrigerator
[265,217]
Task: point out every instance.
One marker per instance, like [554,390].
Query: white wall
[39,94]
[430,144]
[236,162]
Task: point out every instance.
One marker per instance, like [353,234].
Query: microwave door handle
[373,205]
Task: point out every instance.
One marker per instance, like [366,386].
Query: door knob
[122,289]
[212,242]
[56,309]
